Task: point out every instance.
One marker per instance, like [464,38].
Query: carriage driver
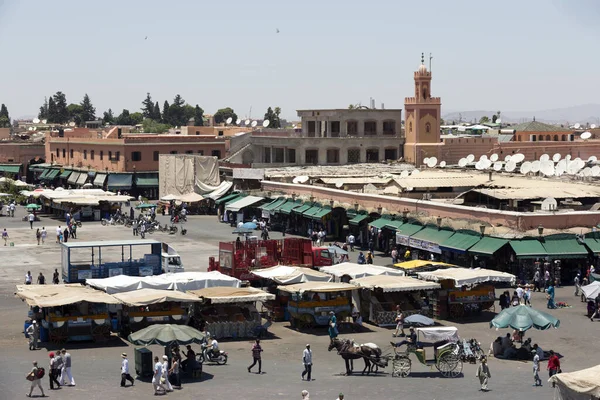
[410,339]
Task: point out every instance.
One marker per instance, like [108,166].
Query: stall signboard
[225,258]
[145,271]
[424,245]
[84,274]
[479,295]
[115,272]
[402,239]
[157,319]
[266,214]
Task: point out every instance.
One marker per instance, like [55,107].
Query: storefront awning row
[145,180]
[528,248]
[65,174]
[460,242]
[73,178]
[10,168]
[273,205]
[487,246]
[99,180]
[243,203]
[229,197]
[287,207]
[358,218]
[119,181]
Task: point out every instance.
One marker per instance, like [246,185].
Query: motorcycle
[208,356]
[105,222]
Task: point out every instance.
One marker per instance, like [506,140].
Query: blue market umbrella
[249,225]
[419,320]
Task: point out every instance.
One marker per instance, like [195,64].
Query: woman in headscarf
[333,331]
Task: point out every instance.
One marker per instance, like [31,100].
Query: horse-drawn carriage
[446,352]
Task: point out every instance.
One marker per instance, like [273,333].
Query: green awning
[116,181]
[408,229]
[272,205]
[393,225]
[565,248]
[288,206]
[51,174]
[146,180]
[528,248]
[65,174]
[302,208]
[358,219]
[380,223]
[227,198]
[10,168]
[593,245]
[311,211]
[323,212]
[236,198]
[43,174]
[460,242]
[488,246]
[432,235]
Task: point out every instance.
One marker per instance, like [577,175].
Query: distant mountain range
[587,113]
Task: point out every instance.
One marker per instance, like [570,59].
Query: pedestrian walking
[399,322]
[38,236]
[134,226]
[174,371]
[597,312]
[157,377]
[332,329]
[66,371]
[55,277]
[351,240]
[44,234]
[33,333]
[66,235]
[74,230]
[527,295]
[31,218]
[53,375]
[28,278]
[125,371]
[536,280]
[12,208]
[305,395]
[143,230]
[553,365]
[256,350]
[165,373]
[58,234]
[483,373]
[307,361]
[5,236]
[577,282]
[536,368]
[340,396]
[35,376]
[41,279]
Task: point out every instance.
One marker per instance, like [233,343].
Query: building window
[220,133]
[71,153]
[267,155]
[353,156]
[278,155]
[91,154]
[200,152]
[335,129]
[101,155]
[291,156]
[312,128]
[173,151]
[564,138]
[57,153]
[110,156]
[370,128]
[155,155]
[556,138]
[390,154]
[136,156]
[540,138]
[548,138]
[352,127]
[519,138]
[216,153]
[389,127]
[372,155]
[311,156]
[85,154]
[410,127]
[333,156]
[197,133]
[64,153]
[117,155]
[428,128]
[189,152]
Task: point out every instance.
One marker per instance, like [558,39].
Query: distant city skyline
[526,56]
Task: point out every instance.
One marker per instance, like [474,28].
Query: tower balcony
[431,100]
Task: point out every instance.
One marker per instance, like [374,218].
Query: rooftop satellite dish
[595,170]
[573,168]
[404,174]
[44,121]
[497,166]
[30,128]
[494,157]
[510,166]
[409,189]
[593,126]
[586,135]
[544,157]
[431,163]
[479,166]
[559,170]
[266,123]
[592,159]
[525,168]
[247,122]
[470,158]
[237,121]
[577,125]
[462,162]
[229,120]
[443,164]
[547,168]
[483,157]
[517,158]
[36,120]
[549,204]
[71,123]
[556,157]
[35,128]
[535,166]
[486,163]
[415,172]
[300,179]
[425,160]
[587,171]
[498,121]
[507,158]
[253,124]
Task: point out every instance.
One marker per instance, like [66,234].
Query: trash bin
[115,324]
[143,362]
[43,334]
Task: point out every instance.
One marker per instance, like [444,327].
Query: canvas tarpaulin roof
[437,334]
[220,190]
[99,180]
[285,275]
[119,181]
[243,203]
[578,385]
[73,178]
[221,295]
[528,248]
[464,276]
[591,291]
[59,295]
[230,196]
[184,173]
[359,270]
[191,198]
[320,287]
[144,297]
[413,264]
[394,283]
[82,178]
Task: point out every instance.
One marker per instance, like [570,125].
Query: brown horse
[348,351]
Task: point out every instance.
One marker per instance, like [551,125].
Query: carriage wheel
[401,366]
[457,310]
[450,366]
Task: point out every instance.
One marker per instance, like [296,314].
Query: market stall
[228,312]
[413,266]
[344,272]
[68,312]
[144,307]
[578,385]
[381,294]
[310,303]
[464,292]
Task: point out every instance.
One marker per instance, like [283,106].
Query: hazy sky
[508,55]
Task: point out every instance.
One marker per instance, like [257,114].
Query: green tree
[51,110]
[165,114]
[152,126]
[124,118]
[188,111]
[76,113]
[177,113]
[136,118]
[60,102]
[148,107]
[4,117]
[484,120]
[43,114]
[198,116]
[442,122]
[222,114]
[88,112]
[273,117]
[156,113]
[108,118]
